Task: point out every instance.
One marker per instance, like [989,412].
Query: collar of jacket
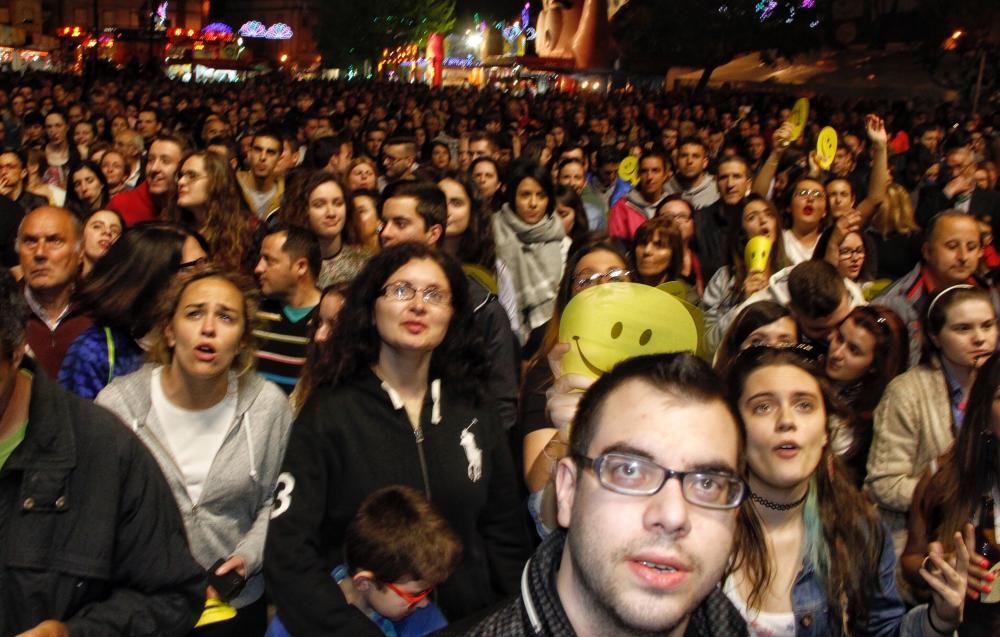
[49,442]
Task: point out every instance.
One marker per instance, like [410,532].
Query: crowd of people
[284,358]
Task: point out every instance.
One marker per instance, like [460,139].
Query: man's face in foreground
[645,562]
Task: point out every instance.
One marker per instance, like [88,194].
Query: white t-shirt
[795,252]
[759,623]
[194,437]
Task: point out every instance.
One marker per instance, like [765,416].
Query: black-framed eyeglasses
[630,475]
[617,275]
[850,253]
[404,291]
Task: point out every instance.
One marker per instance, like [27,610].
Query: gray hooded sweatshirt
[232,514]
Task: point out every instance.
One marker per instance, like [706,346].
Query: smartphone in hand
[227,586]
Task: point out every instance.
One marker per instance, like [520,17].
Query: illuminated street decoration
[160,18]
[218,27]
[253,29]
[279,31]
[257,29]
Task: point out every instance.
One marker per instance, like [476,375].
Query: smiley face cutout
[617,321]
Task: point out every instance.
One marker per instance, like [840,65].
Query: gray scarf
[534,255]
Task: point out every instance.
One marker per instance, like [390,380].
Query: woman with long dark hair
[402,402]
[961,493]
[807,211]
[867,350]
[573,215]
[811,551]
[88,189]
[657,252]
[469,239]
[529,238]
[121,295]
[734,283]
[208,200]
[322,204]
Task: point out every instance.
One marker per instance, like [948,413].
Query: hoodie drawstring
[249,436]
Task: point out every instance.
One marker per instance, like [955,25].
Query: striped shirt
[282,340]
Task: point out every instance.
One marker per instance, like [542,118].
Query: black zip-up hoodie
[352,440]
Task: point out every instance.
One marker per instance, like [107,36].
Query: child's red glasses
[409,598]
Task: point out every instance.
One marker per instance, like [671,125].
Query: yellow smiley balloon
[628,169]
[799,118]
[757,252]
[617,321]
[826,147]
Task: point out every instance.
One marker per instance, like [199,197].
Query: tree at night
[350,32]
[653,35]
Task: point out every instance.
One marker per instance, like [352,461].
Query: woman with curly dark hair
[401,403]
[208,200]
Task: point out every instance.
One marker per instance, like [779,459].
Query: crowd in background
[322,305]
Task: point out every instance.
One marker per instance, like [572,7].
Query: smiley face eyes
[644,338]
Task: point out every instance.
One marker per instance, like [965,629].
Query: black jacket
[714,617]
[502,352]
[350,441]
[89,532]
[984,204]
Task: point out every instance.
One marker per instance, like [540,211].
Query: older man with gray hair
[50,252]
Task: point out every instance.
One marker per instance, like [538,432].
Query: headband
[960,286]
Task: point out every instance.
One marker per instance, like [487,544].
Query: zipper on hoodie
[418,435]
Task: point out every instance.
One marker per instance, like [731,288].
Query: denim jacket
[887,615]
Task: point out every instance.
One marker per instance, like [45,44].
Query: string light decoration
[401,55]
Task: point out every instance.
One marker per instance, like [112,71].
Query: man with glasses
[649,511]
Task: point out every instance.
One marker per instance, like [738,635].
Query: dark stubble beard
[598,597]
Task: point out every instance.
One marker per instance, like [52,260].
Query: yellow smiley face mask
[617,321]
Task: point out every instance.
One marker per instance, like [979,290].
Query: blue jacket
[87,368]
[887,615]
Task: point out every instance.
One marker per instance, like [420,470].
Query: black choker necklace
[764,502]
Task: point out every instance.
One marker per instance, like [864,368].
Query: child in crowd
[397,549]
